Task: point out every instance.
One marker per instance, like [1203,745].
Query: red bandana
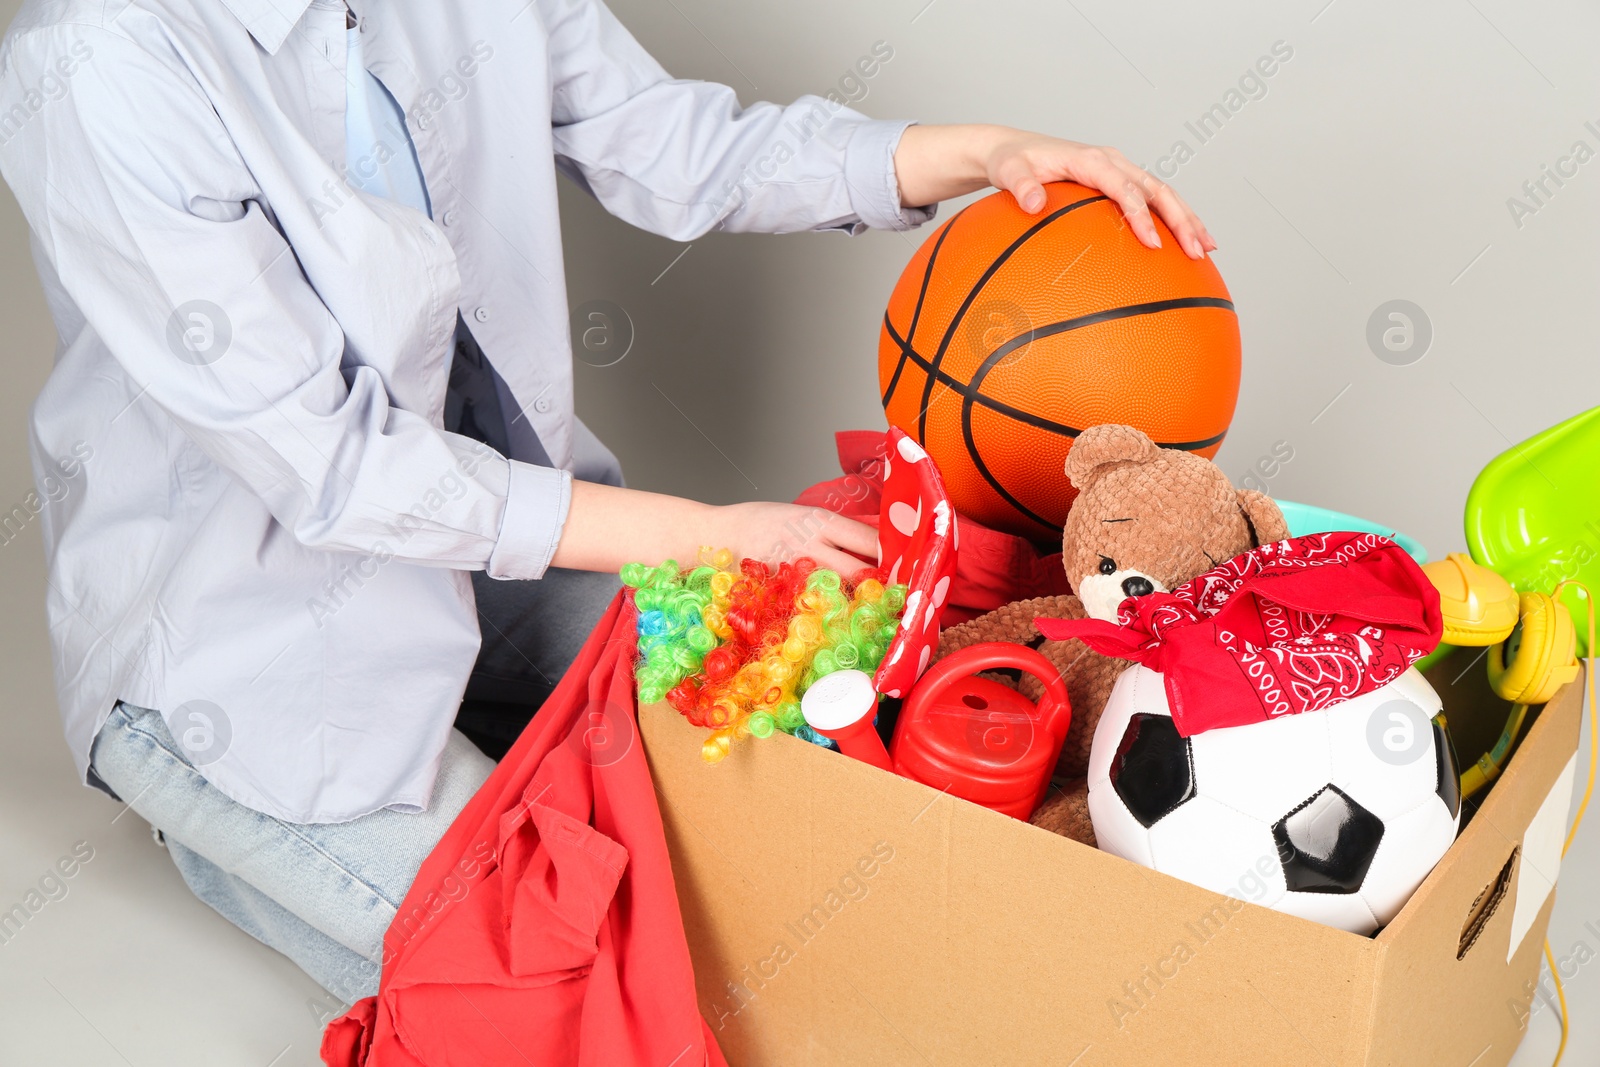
[1294,626]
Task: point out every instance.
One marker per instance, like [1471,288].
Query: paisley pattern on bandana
[1294,626]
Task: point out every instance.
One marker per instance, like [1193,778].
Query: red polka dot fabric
[917,541]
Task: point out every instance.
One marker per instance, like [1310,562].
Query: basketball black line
[1028,417]
[916,313]
[972,294]
[993,359]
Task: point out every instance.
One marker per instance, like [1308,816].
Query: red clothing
[1297,625]
[544,928]
[992,568]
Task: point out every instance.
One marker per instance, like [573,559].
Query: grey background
[1377,167]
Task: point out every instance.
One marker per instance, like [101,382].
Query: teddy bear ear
[1109,443]
[1266,520]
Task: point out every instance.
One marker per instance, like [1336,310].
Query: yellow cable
[1560,996]
[1478,776]
[1588,791]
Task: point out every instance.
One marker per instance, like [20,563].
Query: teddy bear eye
[1107,566]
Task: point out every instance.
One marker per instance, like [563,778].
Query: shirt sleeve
[680,158]
[139,200]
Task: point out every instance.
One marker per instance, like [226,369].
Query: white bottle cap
[838,700]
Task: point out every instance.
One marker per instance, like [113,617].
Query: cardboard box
[839,914]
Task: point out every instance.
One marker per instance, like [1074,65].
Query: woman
[311,419]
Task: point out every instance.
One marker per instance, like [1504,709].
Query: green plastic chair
[1533,514]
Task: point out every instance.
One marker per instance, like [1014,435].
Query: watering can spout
[840,706]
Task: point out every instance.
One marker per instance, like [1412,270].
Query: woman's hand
[934,163]
[777,532]
[607,527]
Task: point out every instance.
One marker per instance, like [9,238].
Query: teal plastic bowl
[1309,519]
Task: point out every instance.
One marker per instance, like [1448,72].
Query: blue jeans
[323,894]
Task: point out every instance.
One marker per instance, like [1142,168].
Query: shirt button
[542,405]
[449,218]
[482,314]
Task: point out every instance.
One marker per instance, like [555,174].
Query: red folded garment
[1298,625]
[544,927]
[992,568]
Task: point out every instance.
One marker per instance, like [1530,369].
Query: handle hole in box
[1485,904]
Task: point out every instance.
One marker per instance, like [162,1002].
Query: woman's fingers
[1138,192]
[1024,163]
[774,532]
[833,559]
[1135,208]
[1022,166]
[1105,169]
[844,545]
[1184,223]
[852,536]
[1016,175]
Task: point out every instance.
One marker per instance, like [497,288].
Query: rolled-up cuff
[537,500]
[869,173]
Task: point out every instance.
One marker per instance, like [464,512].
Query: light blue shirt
[247,492]
[384,163]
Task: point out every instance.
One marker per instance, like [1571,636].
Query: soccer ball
[1334,815]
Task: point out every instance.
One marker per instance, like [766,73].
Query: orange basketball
[1009,333]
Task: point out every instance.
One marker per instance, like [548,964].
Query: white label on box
[1541,855]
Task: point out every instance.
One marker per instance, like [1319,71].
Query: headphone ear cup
[1497,670]
[1479,607]
[1545,656]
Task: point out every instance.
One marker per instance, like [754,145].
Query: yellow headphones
[1540,655]
[1479,606]
[1533,645]
[1534,642]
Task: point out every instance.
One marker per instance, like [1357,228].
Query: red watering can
[972,737]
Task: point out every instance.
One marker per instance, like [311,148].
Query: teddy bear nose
[1137,586]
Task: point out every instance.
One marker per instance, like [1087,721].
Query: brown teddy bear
[1146,519]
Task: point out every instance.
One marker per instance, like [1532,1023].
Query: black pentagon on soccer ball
[1153,770]
[1327,843]
[1444,755]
